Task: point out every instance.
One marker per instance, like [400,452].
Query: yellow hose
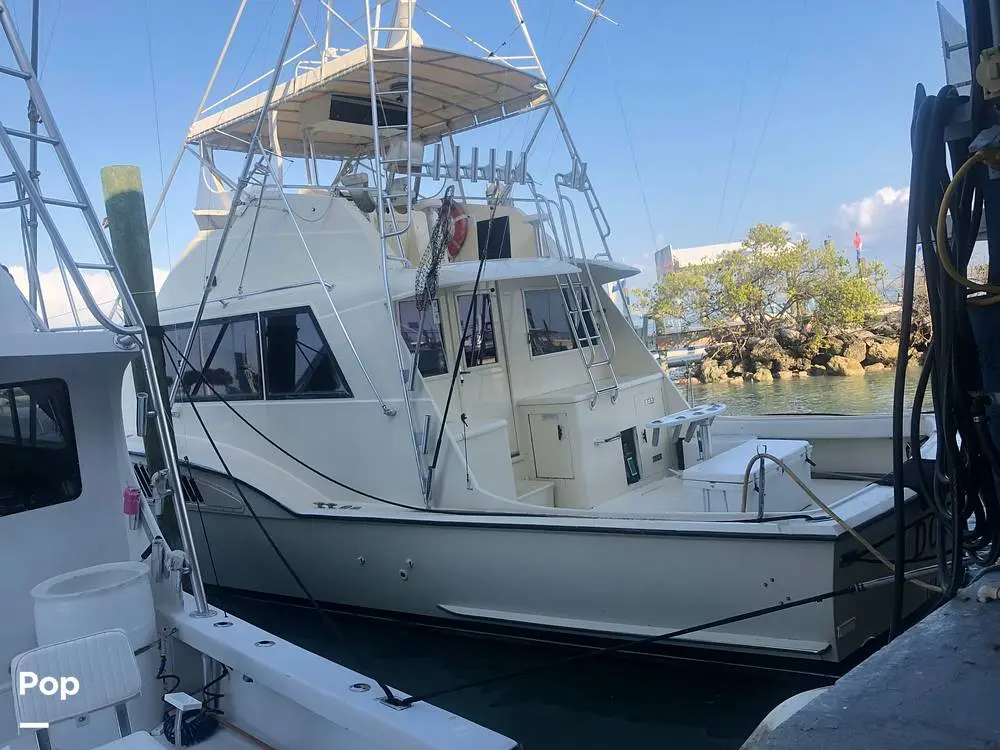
[983,156]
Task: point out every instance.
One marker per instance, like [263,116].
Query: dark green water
[608,702]
[826,394]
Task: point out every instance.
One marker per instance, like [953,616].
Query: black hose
[920,107]
[917,418]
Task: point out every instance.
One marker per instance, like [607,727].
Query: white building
[690,256]
[667,258]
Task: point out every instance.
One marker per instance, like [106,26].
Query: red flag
[857,240]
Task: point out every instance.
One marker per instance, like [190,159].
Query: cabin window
[299,361]
[432,358]
[225,356]
[548,323]
[38,460]
[479,346]
[494,238]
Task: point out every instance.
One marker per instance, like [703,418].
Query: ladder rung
[15,204]
[31,136]
[94,267]
[63,203]
[606,388]
[600,363]
[14,72]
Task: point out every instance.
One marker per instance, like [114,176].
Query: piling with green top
[126,220]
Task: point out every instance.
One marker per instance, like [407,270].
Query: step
[539,492]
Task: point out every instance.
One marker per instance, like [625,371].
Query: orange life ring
[461,224]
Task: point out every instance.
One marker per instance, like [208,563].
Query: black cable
[631,643]
[162,675]
[944,308]
[201,518]
[277,447]
[212,683]
[917,418]
[962,491]
[902,355]
[484,250]
[389,695]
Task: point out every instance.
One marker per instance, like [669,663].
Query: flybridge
[324,110]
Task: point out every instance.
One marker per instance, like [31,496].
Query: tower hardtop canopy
[452,92]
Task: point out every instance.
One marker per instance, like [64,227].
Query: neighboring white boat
[87,626]
[572,492]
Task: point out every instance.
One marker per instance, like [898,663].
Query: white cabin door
[483,383]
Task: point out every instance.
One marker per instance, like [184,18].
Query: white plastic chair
[108,675]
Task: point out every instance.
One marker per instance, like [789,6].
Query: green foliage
[768,283]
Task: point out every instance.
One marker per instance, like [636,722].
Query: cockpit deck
[668,495]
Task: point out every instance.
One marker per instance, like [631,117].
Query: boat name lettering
[336,506]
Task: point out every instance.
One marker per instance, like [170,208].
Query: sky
[696,119]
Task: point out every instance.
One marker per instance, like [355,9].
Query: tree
[769,282]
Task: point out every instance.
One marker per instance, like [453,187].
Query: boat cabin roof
[464,273]
[451,92]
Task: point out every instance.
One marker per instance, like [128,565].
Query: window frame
[441,332]
[308,396]
[68,434]
[458,296]
[182,395]
[558,292]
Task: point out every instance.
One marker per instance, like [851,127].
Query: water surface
[823,394]
[609,702]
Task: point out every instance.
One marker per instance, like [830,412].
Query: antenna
[954,47]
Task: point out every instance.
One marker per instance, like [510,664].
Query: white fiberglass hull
[566,579]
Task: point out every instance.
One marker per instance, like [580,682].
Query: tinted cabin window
[548,326]
[479,346]
[38,459]
[494,238]
[225,356]
[432,359]
[298,360]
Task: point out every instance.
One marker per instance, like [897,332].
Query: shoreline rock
[801,352]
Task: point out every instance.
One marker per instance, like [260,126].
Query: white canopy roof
[451,92]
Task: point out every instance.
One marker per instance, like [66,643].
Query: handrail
[612,349]
[383,184]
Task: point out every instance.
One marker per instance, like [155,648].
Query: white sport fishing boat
[105,649]
[414,364]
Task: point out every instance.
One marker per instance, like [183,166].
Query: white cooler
[718,482]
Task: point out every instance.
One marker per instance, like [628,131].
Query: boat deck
[933,687]
[668,495]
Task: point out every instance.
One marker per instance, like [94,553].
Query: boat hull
[560,581]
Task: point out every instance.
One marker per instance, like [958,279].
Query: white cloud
[870,211]
[57,303]
[880,218]
[788,226]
